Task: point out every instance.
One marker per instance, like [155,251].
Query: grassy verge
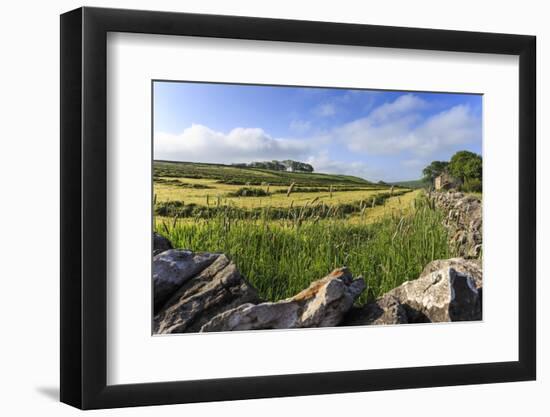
[282,258]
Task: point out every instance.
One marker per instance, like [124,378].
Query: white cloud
[300,126]
[395,141]
[322,163]
[325,110]
[456,126]
[403,105]
[397,127]
[201,144]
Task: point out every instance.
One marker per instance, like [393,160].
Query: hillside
[410,184]
[231,174]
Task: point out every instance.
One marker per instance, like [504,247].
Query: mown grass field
[278,198]
[281,243]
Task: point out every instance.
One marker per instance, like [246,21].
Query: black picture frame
[84,207]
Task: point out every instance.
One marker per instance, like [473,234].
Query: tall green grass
[280,258]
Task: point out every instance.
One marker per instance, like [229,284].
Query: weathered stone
[440,295]
[218,288]
[160,244]
[172,268]
[463,220]
[322,304]
[386,310]
[464,266]
[447,290]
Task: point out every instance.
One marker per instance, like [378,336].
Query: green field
[413,184]
[255,176]
[286,229]
[186,188]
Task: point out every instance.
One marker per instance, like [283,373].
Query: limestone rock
[322,304]
[441,295]
[172,268]
[465,266]
[463,220]
[160,244]
[217,288]
[386,310]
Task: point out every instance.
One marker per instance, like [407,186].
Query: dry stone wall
[463,219]
[205,292]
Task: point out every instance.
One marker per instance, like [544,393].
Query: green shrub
[249,192]
[178,183]
[472,185]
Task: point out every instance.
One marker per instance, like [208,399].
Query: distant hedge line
[317,210]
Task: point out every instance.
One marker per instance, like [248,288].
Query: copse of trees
[435,169]
[465,166]
[468,168]
[286,165]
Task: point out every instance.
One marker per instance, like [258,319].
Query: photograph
[283,208]
[292,207]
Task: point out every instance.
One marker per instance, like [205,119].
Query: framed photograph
[257,207]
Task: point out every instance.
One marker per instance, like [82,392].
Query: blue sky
[377,135]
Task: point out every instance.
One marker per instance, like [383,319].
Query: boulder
[160,244]
[447,290]
[174,267]
[322,304]
[216,289]
[465,266]
[386,310]
[450,293]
